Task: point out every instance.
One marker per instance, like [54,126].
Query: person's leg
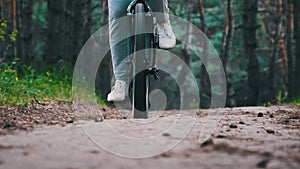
[118,30]
[120,46]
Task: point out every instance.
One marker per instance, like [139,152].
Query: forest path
[248,137]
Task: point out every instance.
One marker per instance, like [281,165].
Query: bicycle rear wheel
[140,80]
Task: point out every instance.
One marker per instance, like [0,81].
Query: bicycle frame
[139,63]
[131,6]
[130,11]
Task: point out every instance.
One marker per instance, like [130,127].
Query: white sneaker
[167,38]
[118,91]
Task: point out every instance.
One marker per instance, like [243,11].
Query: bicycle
[143,60]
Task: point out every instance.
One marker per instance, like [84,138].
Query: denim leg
[119,29]
[120,46]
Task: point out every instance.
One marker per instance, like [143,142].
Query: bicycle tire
[141,80]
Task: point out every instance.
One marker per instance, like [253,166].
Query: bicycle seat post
[143,23]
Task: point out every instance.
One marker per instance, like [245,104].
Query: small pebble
[270,131]
[286,121]
[241,122]
[262,164]
[233,126]
[221,136]
[271,116]
[166,134]
[99,119]
[207,143]
[166,155]
[94,152]
[25,153]
[260,114]
[70,121]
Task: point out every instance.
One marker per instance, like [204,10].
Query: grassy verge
[21,90]
[24,86]
[296,101]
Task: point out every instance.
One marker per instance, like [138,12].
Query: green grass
[296,101]
[22,90]
[25,86]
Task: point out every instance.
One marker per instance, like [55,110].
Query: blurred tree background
[258,42]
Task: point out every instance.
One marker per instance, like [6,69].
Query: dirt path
[249,137]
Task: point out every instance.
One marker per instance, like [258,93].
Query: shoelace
[117,86]
[165,32]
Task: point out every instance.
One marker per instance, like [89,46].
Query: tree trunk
[25,29]
[266,18]
[69,30]
[55,32]
[1,9]
[227,34]
[227,44]
[297,47]
[76,30]
[87,20]
[273,67]
[250,44]
[186,55]
[5,9]
[189,30]
[290,48]
[14,24]
[13,13]
[202,19]
[205,87]
[80,26]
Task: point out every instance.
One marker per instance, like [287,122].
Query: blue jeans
[120,47]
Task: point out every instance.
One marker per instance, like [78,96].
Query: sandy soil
[248,137]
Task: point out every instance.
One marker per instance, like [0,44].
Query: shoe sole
[116,100]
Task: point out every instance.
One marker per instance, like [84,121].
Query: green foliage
[39,13]
[7,37]
[17,90]
[296,101]
[281,97]
[216,40]
[5,34]
[211,3]
[22,85]
[97,13]
[268,104]
[214,17]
